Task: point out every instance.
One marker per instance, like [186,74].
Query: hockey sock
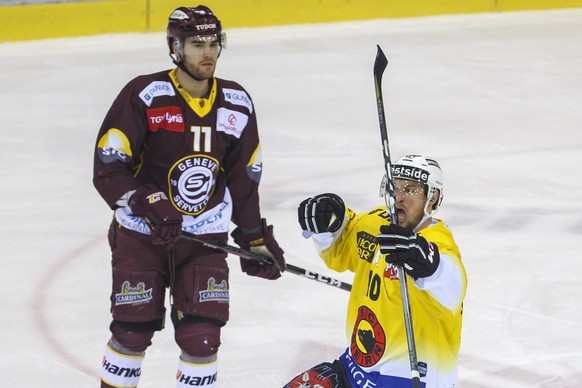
[120,370]
[199,375]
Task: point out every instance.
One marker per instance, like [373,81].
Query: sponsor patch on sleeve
[114,147]
[238,97]
[169,118]
[255,165]
[156,89]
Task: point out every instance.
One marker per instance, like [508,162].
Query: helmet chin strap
[427,214]
[182,67]
[422,220]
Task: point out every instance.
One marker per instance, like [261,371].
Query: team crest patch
[192,181]
[320,376]
[129,294]
[368,341]
[215,292]
[114,147]
[255,165]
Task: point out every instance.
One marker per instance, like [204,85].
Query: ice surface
[496,98]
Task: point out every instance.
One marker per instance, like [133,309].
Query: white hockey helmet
[425,170]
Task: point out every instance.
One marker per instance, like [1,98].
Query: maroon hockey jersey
[204,153]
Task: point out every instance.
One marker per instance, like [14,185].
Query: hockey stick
[246,254]
[379,66]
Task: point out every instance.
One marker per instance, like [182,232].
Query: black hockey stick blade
[246,254]
[380,64]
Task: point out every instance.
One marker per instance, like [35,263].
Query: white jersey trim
[446,284]
[215,220]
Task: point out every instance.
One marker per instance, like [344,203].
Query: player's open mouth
[401,215]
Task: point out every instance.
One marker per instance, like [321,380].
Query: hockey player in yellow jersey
[369,245]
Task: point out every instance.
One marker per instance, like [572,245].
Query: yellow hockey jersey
[375,326]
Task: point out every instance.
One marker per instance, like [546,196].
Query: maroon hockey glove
[260,240]
[420,257]
[153,206]
[322,213]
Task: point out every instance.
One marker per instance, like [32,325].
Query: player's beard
[202,72]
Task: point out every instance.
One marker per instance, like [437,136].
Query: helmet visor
[198,44]
[409,188]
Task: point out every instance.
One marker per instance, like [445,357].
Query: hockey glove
[260,240]
[322,213]
[153,206]
[420,257]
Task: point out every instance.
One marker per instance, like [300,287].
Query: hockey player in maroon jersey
[179,151]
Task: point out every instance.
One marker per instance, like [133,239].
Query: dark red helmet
[200,20]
